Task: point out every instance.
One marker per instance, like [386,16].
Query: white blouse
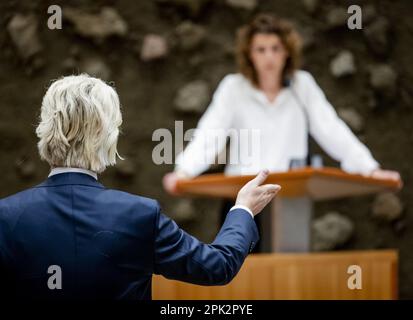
[282,128]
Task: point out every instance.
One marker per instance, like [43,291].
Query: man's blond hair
[79,124]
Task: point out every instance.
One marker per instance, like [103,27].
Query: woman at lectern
[270,94]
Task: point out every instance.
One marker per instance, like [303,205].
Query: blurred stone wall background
[165,58]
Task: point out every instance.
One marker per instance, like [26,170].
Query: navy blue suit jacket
[107,243]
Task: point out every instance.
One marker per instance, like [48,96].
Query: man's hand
[256,196]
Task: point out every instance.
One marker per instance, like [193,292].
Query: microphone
[286,82]
[313,160]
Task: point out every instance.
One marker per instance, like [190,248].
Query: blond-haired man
[71,237]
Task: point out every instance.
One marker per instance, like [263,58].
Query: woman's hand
[170,181]
[387,175]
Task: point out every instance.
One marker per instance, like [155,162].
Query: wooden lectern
[313,276]
[287,228]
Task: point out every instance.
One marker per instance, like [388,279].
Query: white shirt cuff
[239,206]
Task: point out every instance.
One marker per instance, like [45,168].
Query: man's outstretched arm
[181,256]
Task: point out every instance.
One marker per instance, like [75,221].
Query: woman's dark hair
[268,24]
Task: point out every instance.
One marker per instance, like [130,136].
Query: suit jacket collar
[70,178]
[57,170]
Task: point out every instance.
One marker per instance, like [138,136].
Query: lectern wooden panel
[297,276]
[318,184]
[287,228]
